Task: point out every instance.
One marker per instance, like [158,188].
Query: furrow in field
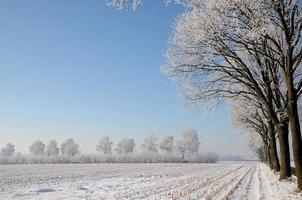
[197,189]
[199,182]
[217,186]
[235,186]
[214,190]
[241,190]
[163,189]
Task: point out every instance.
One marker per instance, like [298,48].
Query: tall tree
[250,119]
[220,48]
[286,38]
[215,56]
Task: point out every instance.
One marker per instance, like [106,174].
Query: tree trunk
[269,157]
[285,170]
[293,117]
[274,156]
[273,148]
[296,137]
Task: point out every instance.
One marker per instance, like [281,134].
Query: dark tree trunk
[273,148]
[274,156]
[285,170]
[296,137]
[269,157]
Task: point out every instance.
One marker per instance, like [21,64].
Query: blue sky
[83,70]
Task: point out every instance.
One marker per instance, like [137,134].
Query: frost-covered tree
[167,144]
[37,148]
[188,144]
[52,148]
[237,32]
[218,52]
[221,49]
[104,145]
[70,148]
[9,150]
[150,144]
[252,121]
[125,146]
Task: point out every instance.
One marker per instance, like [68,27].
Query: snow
[225,180]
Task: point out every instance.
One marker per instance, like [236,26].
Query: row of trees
[187,146]
[69,148]
[249,53]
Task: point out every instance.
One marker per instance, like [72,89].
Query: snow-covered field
[143,181]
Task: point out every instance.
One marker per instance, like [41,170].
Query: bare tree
[9,150]
[70,148]
[250,119]
[286,38]
[221,50]
[150,144]
[188,144]
[167,144]
[218,53]
[104,145]
[37,148]
[125,146]
[52,148]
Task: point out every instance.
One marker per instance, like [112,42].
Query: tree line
[247,53]
[185,149]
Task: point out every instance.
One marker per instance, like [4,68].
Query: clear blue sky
[75,68]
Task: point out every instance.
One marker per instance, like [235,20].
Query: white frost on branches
[37,148]
[167,144]
[9,150]
[124,152]
[125,146]
[52,148]
[70,148]
[188,144]
[150,144]
[104,145]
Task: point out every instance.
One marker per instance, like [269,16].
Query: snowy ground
[144,181]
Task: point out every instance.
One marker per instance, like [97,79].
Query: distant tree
[70,148]
[166,144]
[52,148]
[37,148]
[150,144]
[125,146]
[104,145]
[9,150]
[188,145]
